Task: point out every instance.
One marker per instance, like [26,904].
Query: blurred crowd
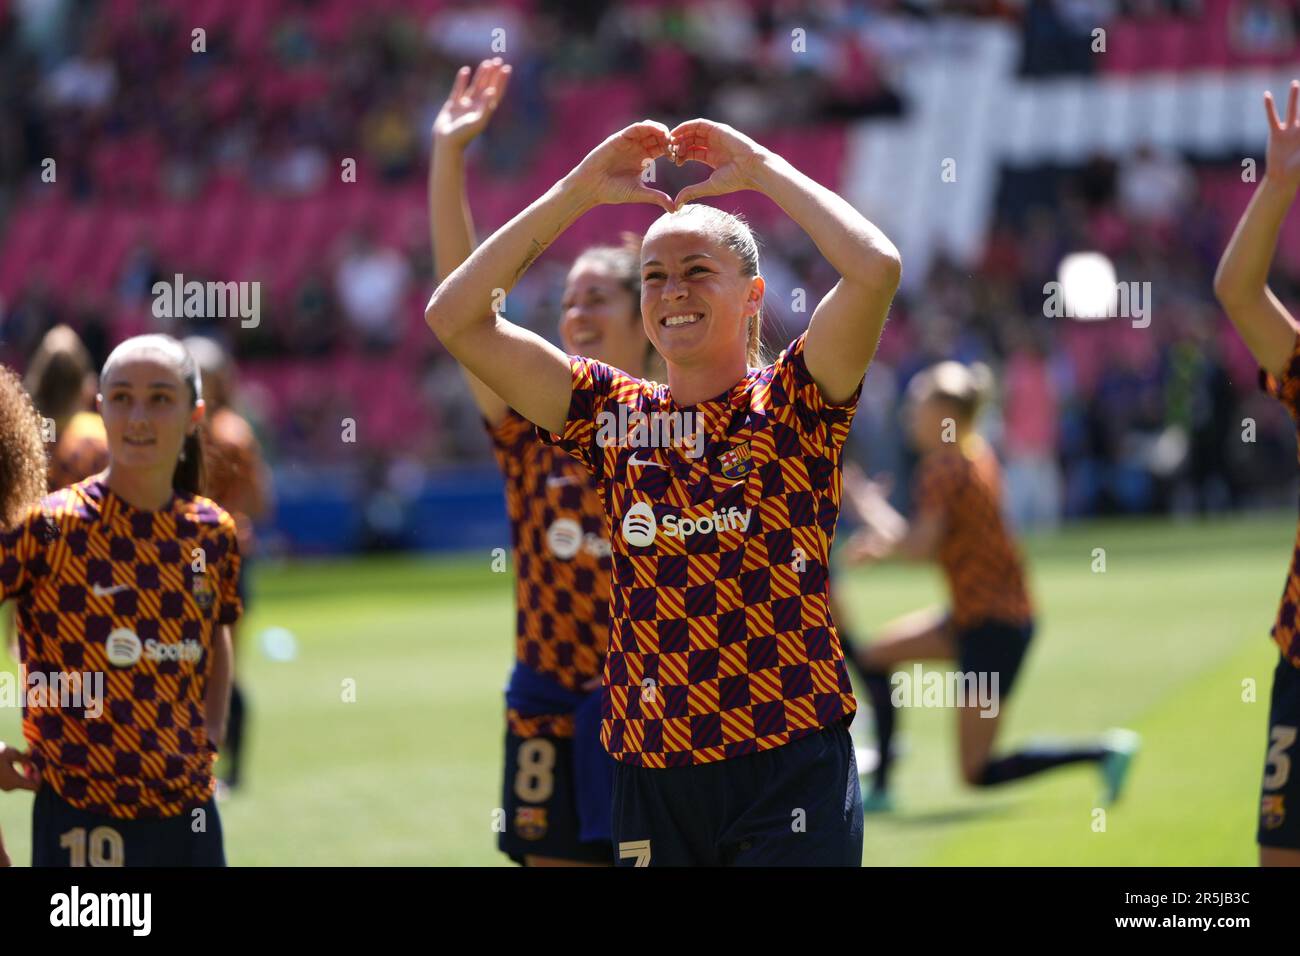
[1092,418]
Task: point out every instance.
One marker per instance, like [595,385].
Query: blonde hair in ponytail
[966,387]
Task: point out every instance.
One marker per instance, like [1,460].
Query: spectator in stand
[1030,413]
[371,283]
[1155,187]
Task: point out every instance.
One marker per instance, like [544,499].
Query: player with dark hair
[22,482]
[958,523]
[558,779]
[61,381]
[125,586]
[726,695]
[1270,332]
[238,480]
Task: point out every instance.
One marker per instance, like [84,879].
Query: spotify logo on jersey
[564,538]
[639,525]
[122,647]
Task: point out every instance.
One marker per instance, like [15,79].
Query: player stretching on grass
[726,693]
[558,779]
[129,578]
[958,523]
[22,482]
[1269,331]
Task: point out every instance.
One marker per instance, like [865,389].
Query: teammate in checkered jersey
[558,779]
[22,482]
[62,383]
[1270,332]
[125,586]
[726,697]
[987,628]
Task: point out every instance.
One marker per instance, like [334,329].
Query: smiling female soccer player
[22,482]
[129,577]
[558,779]
[726,693]
[1269,331]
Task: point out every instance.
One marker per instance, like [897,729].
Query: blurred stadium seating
[227,165]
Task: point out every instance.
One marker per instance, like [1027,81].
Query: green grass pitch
[408,773]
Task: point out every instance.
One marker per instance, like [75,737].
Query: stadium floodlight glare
[1088,285]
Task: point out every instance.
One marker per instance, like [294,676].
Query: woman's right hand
[471,103]
[612,172]
[11,777]
[1282,165]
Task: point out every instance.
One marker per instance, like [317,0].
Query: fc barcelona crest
[530,822]
[736,462]
[201,589]
[1272,813]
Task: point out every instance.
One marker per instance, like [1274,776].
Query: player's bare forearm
[452,226]
[527,372]
[854,246]
[916,540]
[216,699]
[465,298]
[451,222]
[846,326]
[1241,282]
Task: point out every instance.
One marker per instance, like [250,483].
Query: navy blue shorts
[64,836]
[1279,805]
[541,803]
[994,647]
[795,805]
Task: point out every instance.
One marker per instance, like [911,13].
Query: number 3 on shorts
[1279,762]
[105,844]
[635,849]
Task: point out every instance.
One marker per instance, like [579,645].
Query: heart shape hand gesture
[615,171]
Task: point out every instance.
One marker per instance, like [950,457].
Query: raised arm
[529,373]
[465,114]
[845,327]
[1241,282]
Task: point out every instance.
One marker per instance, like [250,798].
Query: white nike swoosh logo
[555,481]
[634,460]
[100,591]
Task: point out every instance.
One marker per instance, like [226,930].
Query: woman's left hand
[733,156]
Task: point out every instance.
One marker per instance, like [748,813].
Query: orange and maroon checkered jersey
[79,452]
[234,473]
[559,535]
[986,578]
[721,637]
[1286,389]
[133,596]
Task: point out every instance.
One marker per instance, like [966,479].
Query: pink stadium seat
[1125,50]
